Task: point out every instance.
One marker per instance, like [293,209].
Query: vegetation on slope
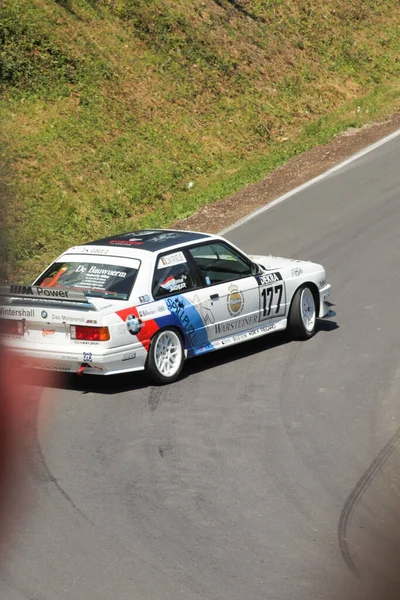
[117,114]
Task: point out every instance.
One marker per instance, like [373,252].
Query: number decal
[271,304]
[279,289]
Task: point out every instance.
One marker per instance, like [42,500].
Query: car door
[228,300]
[175,280]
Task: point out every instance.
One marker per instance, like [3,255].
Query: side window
[172,275]
[218,263]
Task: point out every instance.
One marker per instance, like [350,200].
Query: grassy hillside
[124,113]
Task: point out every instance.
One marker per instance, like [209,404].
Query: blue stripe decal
[187,318]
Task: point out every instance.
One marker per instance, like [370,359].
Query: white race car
[150,299]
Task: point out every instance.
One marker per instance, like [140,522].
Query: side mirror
[255,269]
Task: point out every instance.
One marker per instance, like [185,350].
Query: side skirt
[271,326]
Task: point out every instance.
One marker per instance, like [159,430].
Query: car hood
[271,263]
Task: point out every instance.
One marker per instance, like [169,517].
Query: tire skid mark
[41,470]
[354,497]
[285,379]
[155,396]
[288,429]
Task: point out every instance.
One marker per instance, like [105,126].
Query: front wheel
[166,357]
[303,314]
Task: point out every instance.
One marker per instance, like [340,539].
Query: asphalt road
[270,470]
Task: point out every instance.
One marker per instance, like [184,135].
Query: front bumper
[325,306]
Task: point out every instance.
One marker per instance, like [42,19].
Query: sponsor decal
[156,308]
[205,310]
[234,325]
[33,291]
[49,293]
[87,357]
[267,278]
[21,289]
[322,283]
[129,356]
[177,258]
[171,284]
[84,343]
[235,301]
[261,330]
[131,242]
[17,312]
[86,250]
[247,335]
[144,299]
[43,314]
[96,271]
[296,271]
[51,367]
[205,348]
[180,313]
[133,324]
[46,332]
[66,318]
[177,307]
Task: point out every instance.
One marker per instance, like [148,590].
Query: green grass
[110,108]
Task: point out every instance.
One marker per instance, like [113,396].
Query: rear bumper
[325,306]
[107,362]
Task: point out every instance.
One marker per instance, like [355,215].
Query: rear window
[94,279]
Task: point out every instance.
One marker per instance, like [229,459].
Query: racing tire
[166,357]
[303,314]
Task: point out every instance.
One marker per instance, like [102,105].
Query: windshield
[94,279]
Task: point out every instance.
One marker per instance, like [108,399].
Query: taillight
[91,334]
[11,327]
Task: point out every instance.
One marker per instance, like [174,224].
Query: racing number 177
[267,296]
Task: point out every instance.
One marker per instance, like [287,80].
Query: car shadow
[116,384]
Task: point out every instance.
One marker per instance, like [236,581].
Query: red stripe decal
[149,328]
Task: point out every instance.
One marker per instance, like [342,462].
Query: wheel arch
[175,328]
[315,292]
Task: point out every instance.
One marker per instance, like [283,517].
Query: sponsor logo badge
[171,284]
[129,356]
[267,278]
[133,324]
[43,314]
[46,332]
[177,258]
[235,301]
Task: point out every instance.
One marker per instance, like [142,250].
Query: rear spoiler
[35,292]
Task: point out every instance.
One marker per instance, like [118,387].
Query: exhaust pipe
[81,369]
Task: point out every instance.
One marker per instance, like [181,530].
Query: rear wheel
[303,314]
[166,357]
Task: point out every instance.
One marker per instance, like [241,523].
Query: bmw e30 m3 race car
[150,299]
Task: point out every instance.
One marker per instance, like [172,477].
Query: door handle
[214,296]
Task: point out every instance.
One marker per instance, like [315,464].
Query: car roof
[150,240]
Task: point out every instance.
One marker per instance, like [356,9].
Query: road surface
[269,471]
